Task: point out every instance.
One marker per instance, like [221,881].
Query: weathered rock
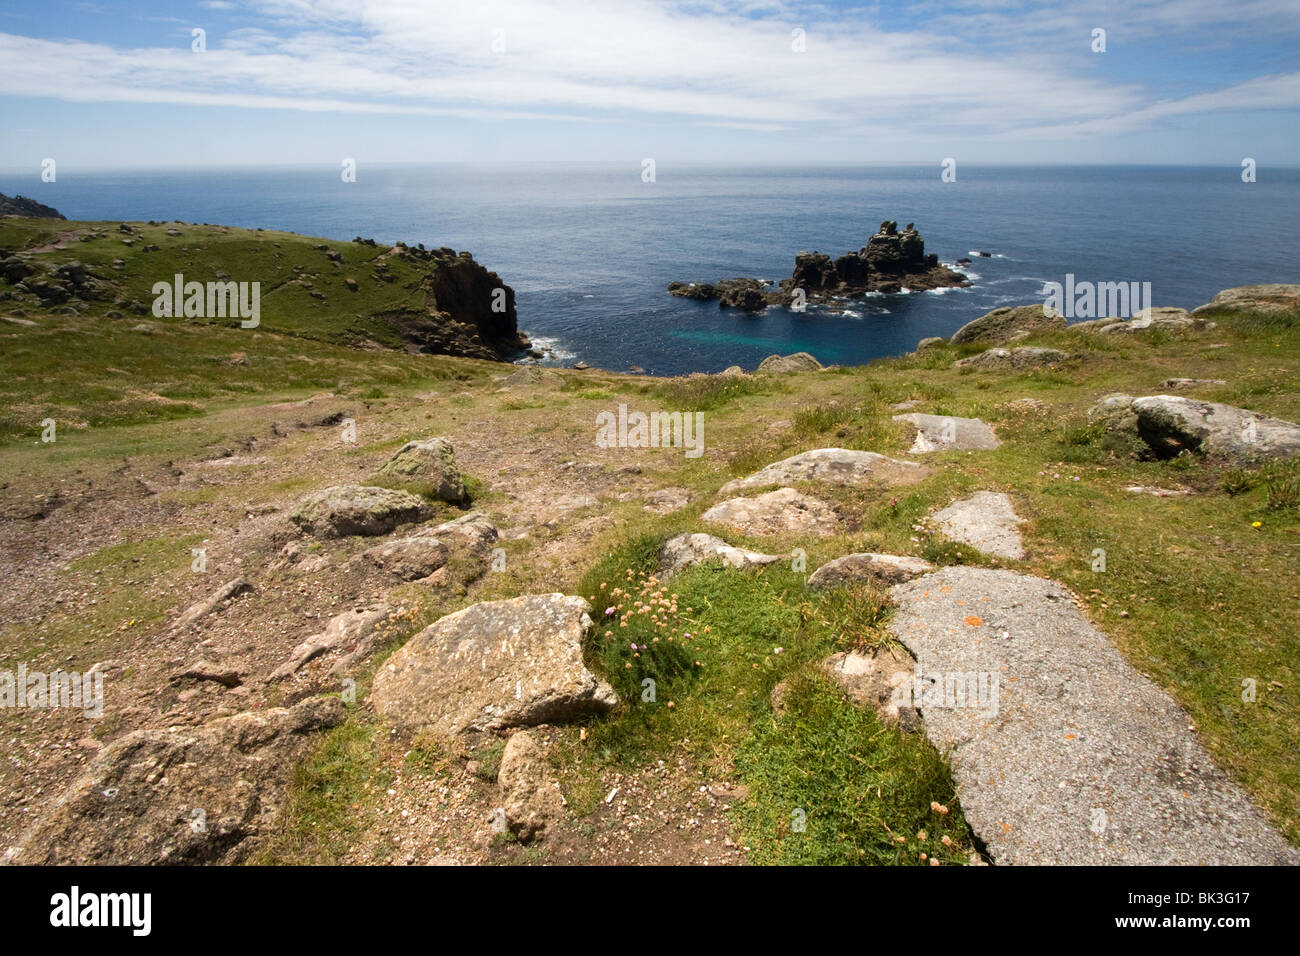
[1062,752]
[666,500]
[704,291]
[1002,325]
[358,627]
[784,511]
[1273,297]
[873,679]
[432,461]
[929,342]
[1191,382]
[473,532]
[183,795]
[493,665]
[196,612]
[409,558]
[530,794]
[869,566]
[748,295]
[948,433]
[357,509]
[1154,318]
[1173,424]
[986,521]
[1012,359]
[834,466]
[785,364]
[733,371]
[687,549]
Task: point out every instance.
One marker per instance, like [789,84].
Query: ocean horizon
[591,247]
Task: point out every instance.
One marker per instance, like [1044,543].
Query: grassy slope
[92,369]
[1194,594]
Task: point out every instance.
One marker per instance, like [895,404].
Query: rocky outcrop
[468,310]
[948,433]
[431,462]
[530,794]
[1064,753]
[986,521]
[357,628]
[22,206]
[1274,297]
[409,559]
[494,665]
[198,611]
[1168,318]
[688,549]
[834,466]
[998,359]
[784,511]
[869,566]
[786,364]
[427,550]
[891,261]
[873,678]
[357,509]
[750,295]
[183,795]
[1007,324]
[1173,424]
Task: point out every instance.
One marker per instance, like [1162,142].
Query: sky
[304,82]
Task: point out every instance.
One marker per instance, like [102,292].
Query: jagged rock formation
[891,261]
[22,206]
[470,311]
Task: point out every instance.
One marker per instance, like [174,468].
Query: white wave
[551,348]
[851,314]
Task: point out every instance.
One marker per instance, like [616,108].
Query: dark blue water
[590,248]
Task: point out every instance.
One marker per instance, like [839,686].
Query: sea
[590,248]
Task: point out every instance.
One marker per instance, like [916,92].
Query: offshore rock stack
[891,261]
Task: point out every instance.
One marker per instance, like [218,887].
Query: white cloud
[729,65]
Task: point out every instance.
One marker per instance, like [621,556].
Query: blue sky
[288,82]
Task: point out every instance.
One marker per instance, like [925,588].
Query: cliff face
[469,310]
[22,206]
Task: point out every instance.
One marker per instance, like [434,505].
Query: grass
[332,793]
[1195,593]
[714,646]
